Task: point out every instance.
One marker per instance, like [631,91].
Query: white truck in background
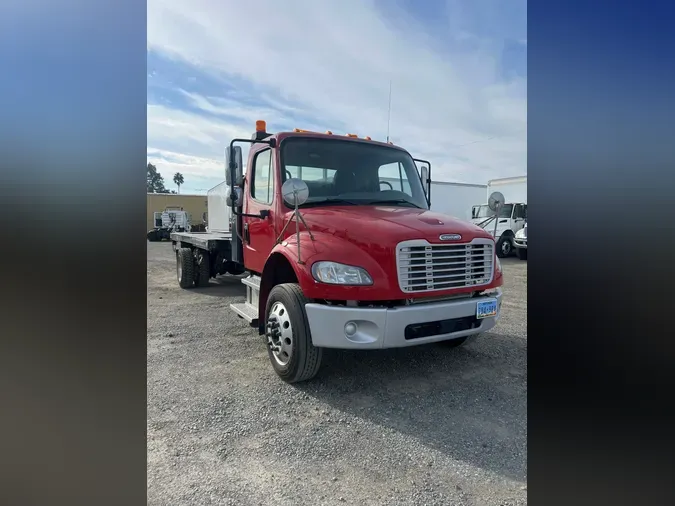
[456,199]
[172,219]
[512,215]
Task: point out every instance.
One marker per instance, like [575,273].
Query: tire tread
[184,256]
[310,357]
[203,274]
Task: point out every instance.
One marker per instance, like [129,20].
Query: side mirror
[233,154]
[426,182]
[294,192]
[425,176]
[496,201]
[234,194]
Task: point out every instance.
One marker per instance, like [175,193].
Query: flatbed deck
[210,241]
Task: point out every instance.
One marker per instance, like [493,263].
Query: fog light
[350,329]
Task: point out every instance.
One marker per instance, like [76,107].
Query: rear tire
[203,271]
[286,327]
[185,267]
[522,253]
[504,246]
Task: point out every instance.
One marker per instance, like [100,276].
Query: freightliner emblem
[450,237]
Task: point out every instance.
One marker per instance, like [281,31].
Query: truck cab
[341,250]
[512,217]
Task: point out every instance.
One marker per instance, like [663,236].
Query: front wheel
[287,335]
[504,246]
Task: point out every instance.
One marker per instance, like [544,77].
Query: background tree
[155,180]
[178,179]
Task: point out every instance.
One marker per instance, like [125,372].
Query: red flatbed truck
[342,251]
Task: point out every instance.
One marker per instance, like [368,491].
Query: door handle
[247,235]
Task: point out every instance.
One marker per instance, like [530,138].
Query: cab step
[248,310]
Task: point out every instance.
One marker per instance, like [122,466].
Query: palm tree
[178,179]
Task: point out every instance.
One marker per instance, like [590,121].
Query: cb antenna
[389,111]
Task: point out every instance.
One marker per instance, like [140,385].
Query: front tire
[185,267]
[504,246]
[287,335]
[522,253]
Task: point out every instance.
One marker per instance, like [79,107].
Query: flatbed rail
[209,241]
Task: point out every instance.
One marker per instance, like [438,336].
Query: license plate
[486,308]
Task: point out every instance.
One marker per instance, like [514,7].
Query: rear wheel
[203,270]
[504,246]
[289,342]
[522,253]
[185,267]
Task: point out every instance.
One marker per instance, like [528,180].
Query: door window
[262,187]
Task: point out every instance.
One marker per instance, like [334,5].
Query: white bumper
[386,328]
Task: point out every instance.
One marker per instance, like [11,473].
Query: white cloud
[327,65]
[201,173]
[176,126]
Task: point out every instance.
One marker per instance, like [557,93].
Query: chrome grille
[424,267]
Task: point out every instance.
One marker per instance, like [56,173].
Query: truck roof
[280,136]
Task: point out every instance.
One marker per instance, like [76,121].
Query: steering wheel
[387,183]
[288,175]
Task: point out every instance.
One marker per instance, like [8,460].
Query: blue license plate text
[486,309]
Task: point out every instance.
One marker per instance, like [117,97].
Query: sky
[457,68]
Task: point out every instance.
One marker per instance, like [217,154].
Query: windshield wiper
[394,201]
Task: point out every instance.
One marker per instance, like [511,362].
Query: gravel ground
[423,425]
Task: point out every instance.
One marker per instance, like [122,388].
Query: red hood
[387,225]
[367,236]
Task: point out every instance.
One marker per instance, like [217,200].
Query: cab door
[259,234]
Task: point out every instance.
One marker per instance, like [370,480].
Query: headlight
[334,273]
[499,264]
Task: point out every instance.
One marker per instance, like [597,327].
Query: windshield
[485,212]
[347,172]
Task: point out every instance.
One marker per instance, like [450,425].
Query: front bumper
[378,328]
[520,242]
